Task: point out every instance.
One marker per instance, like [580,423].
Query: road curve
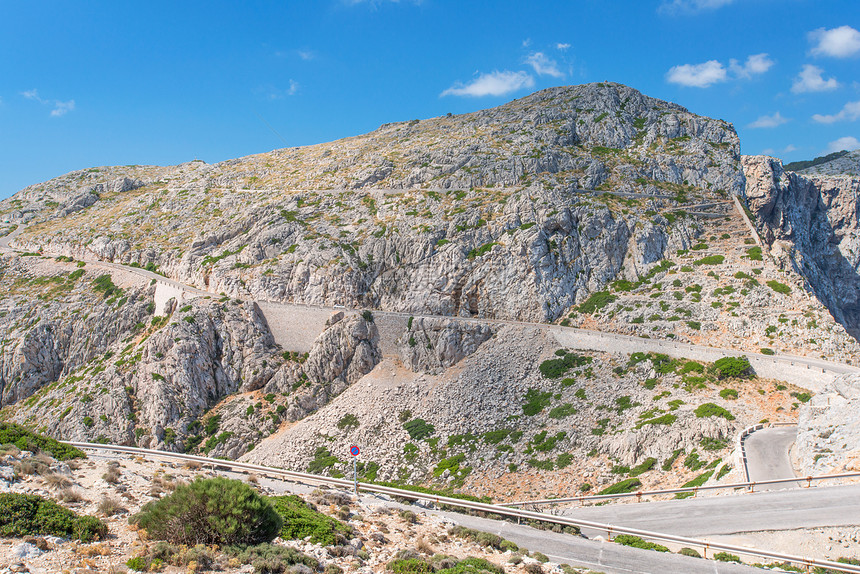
[767,452]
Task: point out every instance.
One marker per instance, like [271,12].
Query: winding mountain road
[768,457]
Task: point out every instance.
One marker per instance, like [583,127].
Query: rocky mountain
[461,238]
[840,163]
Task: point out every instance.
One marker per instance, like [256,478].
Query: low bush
[32,515]
[726,557]
[637,542]
[24,439]
[781,288]
[733,367]
[623,487]
[710,260]
[596,301]
[302,520]
[689,552]
[211,511]
[711,410]
[271,559]
[419,429]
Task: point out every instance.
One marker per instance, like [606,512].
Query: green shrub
[347,421]
[596,301]
[32,515]
[667,464]
[643,467]
[554,368]
[563,411]
[730,394]
[726,557]
[710,260]
[211,511]
[536,401]
[367,316]
[779,287]
[666,419]
[24,439]
[137,563]
[733,367]
[689,552]
[766,351]
[103,284]
[637,542]
[271,558]
[323,460]
[564,460]
[300,520]
[419,429]
[623,487]
[711,410]
[410,566]
[754,253]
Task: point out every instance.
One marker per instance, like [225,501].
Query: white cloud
[527,42]
[691,6]
[811,79]
[849,143]
[850,112]
[294,87]
[755,65]
[544,66]
[492,84]
[62,108]
[562,46]
[306,55]
[772,152]
[769,121]
[840,42]
[697,75]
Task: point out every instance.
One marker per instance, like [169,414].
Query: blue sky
[102,83]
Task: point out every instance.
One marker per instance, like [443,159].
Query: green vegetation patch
[211,511]
[710,260]
[301,520]
[10,433]
[32,515]
[596,301]
[623,487]
[419,429]
[637,542]
[535,401]
[737,367]
[555,368]
[781,288]
[711,410]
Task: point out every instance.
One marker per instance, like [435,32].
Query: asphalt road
[734,513]
[578,551]
[767,455]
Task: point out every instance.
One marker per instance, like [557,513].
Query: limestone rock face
[432,345]
[811,225]
[828,430]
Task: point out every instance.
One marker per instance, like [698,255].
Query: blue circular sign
[354,450]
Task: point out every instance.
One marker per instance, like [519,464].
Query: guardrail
[742,453]
[609,529]
[750,486]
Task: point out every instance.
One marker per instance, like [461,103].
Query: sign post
[355,451]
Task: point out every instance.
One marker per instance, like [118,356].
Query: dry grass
[55,480]
[112,475]
[70,496]
[110,506]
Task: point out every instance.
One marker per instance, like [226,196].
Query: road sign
[354,450]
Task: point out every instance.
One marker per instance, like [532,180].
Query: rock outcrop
[828,430]
[810,225]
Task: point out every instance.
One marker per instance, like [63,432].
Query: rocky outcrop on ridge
[828,431]
[810,225]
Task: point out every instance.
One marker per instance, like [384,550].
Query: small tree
[211,511]
[733,367]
